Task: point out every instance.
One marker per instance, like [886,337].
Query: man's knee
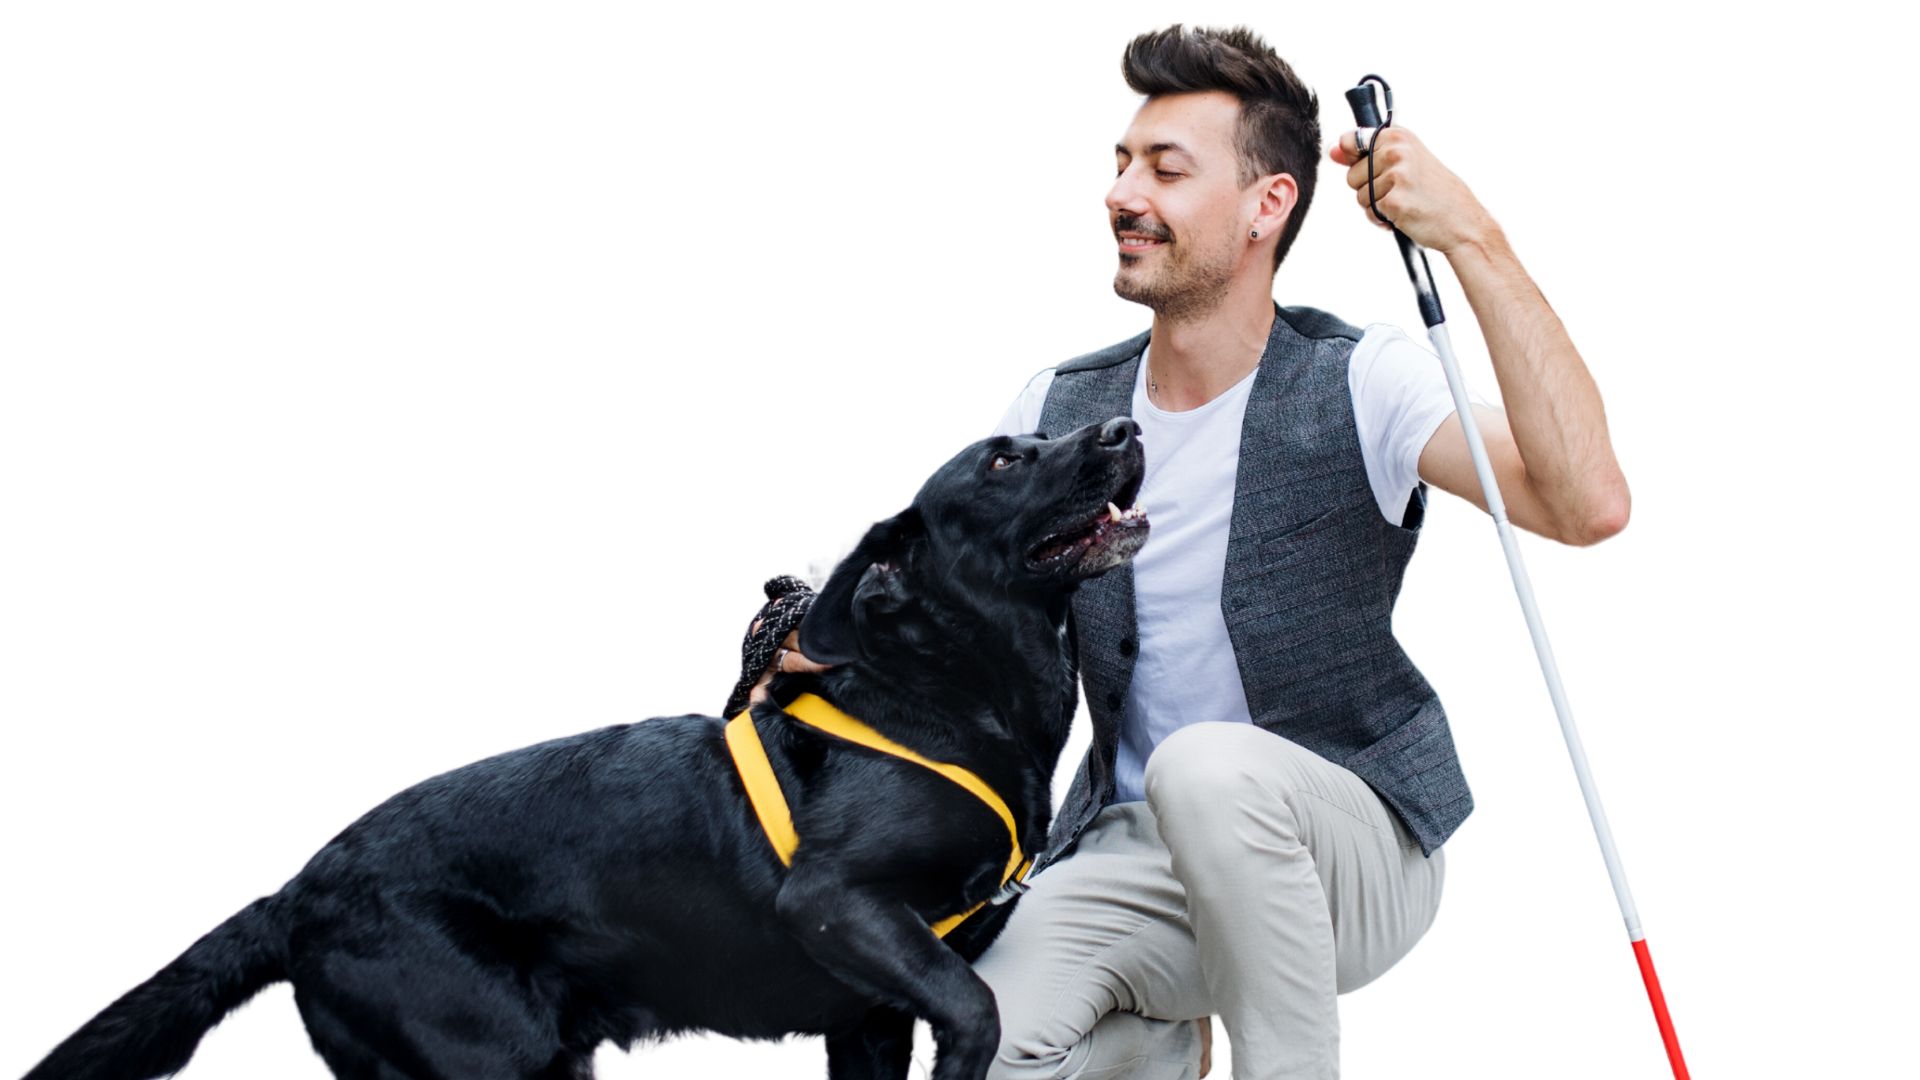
[1201,767]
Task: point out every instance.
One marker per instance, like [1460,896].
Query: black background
[427,391]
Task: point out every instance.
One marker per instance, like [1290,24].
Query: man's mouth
[1136,235]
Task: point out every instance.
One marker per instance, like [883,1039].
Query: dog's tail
[154,1028]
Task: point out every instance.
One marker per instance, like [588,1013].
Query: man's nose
[1118,432]
[1125,195]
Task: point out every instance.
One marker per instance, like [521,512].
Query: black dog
[502,920]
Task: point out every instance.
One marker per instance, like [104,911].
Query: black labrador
[502,920]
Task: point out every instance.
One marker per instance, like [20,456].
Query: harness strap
[763,788]
[776,817]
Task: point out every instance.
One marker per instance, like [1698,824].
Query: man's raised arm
[1549,448]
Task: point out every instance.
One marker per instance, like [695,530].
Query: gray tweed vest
[1312,573]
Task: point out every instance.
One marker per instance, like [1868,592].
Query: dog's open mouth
[1103,541]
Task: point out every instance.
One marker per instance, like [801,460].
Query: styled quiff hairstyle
[1279,129]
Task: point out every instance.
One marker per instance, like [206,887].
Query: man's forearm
[1553,407]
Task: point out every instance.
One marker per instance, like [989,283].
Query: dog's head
[1017,521]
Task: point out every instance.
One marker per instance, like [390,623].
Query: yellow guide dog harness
[776,818]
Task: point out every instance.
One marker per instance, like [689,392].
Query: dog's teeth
[1113,511]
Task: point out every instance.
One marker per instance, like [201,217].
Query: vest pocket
[1325,534]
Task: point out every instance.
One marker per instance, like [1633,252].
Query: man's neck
[1193,361]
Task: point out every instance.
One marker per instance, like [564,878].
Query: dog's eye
[1001,461]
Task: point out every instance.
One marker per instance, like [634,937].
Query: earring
[1256,234]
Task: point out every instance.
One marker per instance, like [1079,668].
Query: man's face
[1177,208]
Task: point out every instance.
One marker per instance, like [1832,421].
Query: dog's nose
[1118,431]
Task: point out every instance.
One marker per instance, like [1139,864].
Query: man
[1258,824]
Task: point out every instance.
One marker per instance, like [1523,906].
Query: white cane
[1366,115]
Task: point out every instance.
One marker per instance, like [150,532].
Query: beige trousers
[1256,882]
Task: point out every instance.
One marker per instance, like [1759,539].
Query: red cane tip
[1659,1000]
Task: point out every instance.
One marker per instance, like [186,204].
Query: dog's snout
[1118,431]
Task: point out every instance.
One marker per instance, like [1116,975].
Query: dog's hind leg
[880,1048]
[437,1017]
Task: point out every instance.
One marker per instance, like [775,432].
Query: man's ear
[867,581]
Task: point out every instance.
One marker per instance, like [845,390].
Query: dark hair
[1279,129]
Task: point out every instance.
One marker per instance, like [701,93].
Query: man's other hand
[787,658]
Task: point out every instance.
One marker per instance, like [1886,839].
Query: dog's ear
[866,582]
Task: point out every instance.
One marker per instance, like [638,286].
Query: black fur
[504,919]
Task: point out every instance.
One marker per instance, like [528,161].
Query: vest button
[1113,700]
[1127,646]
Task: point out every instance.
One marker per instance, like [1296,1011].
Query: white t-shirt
[1185,672]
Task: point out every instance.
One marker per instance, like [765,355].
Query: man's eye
[1165,175]
[1001,461]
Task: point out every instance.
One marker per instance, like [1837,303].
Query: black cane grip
[1365,113]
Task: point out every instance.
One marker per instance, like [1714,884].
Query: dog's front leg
[880,946]
[880,1048]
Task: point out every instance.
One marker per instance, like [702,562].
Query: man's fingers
[1390,173]
[1391,148]
[793,660]
[788,659]
[1346,150]
[1368,200]
[1378,211]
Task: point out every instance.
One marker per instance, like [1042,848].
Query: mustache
[1135,224]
